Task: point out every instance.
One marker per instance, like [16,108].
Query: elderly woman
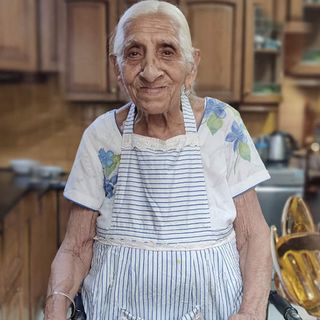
[165,223]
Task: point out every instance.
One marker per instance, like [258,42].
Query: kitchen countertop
[13,187]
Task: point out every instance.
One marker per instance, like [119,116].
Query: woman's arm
[72,261]
[253,243]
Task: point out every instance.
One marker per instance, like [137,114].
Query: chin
[153,108]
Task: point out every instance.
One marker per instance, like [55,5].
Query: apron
[161,259]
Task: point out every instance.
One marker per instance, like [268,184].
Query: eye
[134,53]
[168,52]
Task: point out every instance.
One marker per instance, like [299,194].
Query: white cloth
[166,246]
[230,161]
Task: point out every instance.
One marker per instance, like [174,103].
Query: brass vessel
[296,256]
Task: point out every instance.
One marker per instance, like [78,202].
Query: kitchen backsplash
[36,122]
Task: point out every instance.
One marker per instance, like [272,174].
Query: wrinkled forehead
[157,25]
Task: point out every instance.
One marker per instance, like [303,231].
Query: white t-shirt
[231,164]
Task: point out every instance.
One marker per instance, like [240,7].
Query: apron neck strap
[188,117]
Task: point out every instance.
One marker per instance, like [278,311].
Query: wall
[260,123]
[36,122]
[300,110]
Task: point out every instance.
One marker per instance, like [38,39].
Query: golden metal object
[296,217]
[296,256]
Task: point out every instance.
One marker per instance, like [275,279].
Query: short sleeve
[85,182]
[245,168]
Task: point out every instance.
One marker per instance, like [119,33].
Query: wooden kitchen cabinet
[42,248]
[302,39]
[18,36]
[14,260]
[49,35]
[88,71]
[217,28]
[28,37]
[264,20]
[28,244]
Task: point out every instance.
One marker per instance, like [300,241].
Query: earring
[186,91]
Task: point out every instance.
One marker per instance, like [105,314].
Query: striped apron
[161,258]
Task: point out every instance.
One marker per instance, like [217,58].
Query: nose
[150,69]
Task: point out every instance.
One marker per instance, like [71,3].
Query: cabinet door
[89,75]
[302,40]
[14,258]
[18,40]
[216,29]
[43,247]
[48,35]
[262,54]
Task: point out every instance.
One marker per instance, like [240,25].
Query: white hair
[146,7]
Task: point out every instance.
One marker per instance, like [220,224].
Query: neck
[162,126]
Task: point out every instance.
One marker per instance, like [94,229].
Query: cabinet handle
[113,90]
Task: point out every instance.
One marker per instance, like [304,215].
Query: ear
[194,69]
[196,57]
[116,68]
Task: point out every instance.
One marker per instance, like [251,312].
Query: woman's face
[153,68]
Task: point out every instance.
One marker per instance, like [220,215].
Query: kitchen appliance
[281,146]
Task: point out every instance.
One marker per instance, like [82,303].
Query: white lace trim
[148,245]
[177,143]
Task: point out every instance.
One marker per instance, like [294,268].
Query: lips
[153,90]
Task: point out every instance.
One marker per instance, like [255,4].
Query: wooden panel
[43,247]
[18,43]
[48,35]
[14,261]
[216,29]
[295,9]
[28,244]
[89,75]
[280,9]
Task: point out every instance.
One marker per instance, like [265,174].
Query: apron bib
[161,198]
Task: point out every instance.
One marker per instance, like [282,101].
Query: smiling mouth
[152,90]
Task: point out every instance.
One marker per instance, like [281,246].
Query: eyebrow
[165,42]
[169,43]
[132,43]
